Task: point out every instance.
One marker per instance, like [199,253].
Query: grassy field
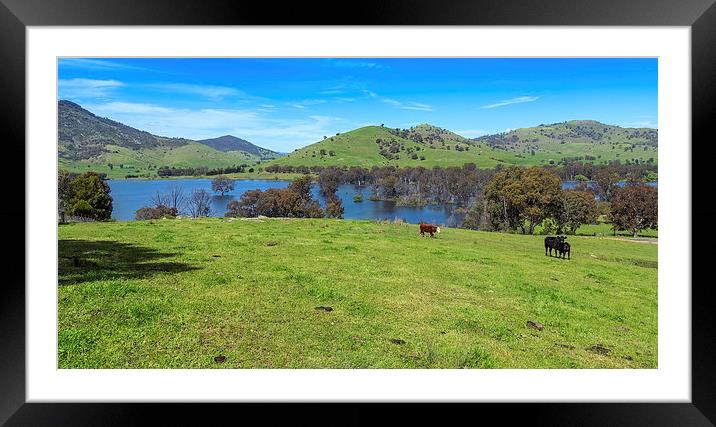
[146,161]
[179,293]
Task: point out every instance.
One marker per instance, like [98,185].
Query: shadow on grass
[87,260]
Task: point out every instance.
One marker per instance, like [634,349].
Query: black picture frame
[16,15]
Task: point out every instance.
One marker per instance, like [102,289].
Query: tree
[64,191]
[334,208]
[199,203]
[90,197]
[222,185]
[634,208]
[522,198]
[245,206]
[473,218]
[606,180]
[577,208]
[302,187]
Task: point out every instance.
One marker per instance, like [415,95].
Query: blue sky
[287,103]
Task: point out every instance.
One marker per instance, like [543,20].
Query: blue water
[130,195]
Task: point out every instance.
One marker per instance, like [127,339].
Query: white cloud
[518,100]
[642,124]
[358,64]
[471,133]
[97,64]
[215,93]
[86,88]
[408,105]
[416,106]
[307,102]
[277,134]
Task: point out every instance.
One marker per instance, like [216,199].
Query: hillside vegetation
[320,293]
[89,142]
[428,145]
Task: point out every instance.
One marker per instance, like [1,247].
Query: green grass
[177,293]
[605,229]
[145,162]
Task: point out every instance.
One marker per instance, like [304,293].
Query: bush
[334,208]
[157,212]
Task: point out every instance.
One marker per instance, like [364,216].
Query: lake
[130,195]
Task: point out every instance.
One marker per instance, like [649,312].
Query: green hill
[586,140]
[428,145]
[89,142]
[378,146]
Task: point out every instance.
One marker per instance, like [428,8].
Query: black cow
[552,242]
[565,248]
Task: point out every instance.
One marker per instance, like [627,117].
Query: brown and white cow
[429,228]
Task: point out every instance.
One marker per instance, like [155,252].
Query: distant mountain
[83,135]
[428,145]
[86,141]
[231,143]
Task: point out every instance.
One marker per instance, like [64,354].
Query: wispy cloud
[518,100]
[214,93]
[86,88]
[408,105]
[405,105]
[358,64]
[274,133]
[97,64]
[307,103]
[471,133]
[642,124]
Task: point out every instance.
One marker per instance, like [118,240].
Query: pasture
[181,293]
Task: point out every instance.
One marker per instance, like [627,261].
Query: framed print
[406,205]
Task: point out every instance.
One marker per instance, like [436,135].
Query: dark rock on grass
[535,325]
[629,358]
[272,243]
[216,256]
[599,349]
[326,309]
[397,341]
[220,359]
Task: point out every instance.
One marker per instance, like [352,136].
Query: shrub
[157,212]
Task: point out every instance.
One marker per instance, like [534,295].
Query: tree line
[203,170]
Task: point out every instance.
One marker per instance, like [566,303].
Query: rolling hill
[229,143]
[428,145]
[89,142]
